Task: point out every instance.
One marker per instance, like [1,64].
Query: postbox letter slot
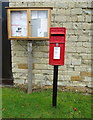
[57,35]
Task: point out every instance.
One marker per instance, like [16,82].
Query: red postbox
[57,45]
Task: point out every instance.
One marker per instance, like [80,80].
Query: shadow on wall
[7,78]
[92,34]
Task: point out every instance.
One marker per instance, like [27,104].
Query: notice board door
[7,78]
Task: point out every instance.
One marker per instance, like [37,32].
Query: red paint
[57,35]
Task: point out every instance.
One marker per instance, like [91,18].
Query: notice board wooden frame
[28,9]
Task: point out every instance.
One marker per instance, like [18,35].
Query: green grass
[17,104]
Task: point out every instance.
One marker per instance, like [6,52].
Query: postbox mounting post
[56,55]
[55,79]
[29,67]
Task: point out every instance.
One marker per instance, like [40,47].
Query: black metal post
[55,78]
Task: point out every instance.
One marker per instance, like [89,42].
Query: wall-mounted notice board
[28,23]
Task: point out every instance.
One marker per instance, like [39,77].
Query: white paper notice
[19,23]
[43,14]
[34,15]
[56,52]
[40,33]
[44,25]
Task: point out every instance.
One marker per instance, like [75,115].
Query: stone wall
[77,17]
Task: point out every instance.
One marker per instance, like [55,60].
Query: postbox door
[57,35]
[56,53]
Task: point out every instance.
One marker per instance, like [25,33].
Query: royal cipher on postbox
[57,45]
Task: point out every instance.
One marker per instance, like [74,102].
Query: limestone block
[34,71]
[73,38]
[89,4]
[50,67]
[43,83]
[67,12]
[80,68]
[76,78]
[77,25]
[90,32]
[30,4]
[81,4]
[40,60]
[79,44]
[86,56]
[78,32]
[89,85]
[87,11]
[89,68]
[70,44]
[60,18]
[55,24]
[87,62]
[21,4]
[76,61]
[39,76]
[19,48]
[54,11]
[80,50]
[87,79]
[14,70]
[77,83]
[48,4]
[49,83]
[40,48]
[62,68]
[70,32]
[20,54]
[63,77]
[40,55]
[61,11]
[88,74]
[18,81]
[91,26]
[71,73]
[63,83]
[68,61]
[39,43]
[84,38]
[41,66]
[19,59]
[68,19]
[86,26]
[14,65]
[68,25]
[88,18]
[76,11]
[12,4]
[71,49]
[74,18]
[38,4]
[22,66]
[62,4]
[71,4]
[88,50]
[80,18]
[47,72]
[18,75]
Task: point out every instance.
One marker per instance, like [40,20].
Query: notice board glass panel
[19,23]
[39,23]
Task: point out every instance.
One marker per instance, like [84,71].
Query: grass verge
[17,104]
